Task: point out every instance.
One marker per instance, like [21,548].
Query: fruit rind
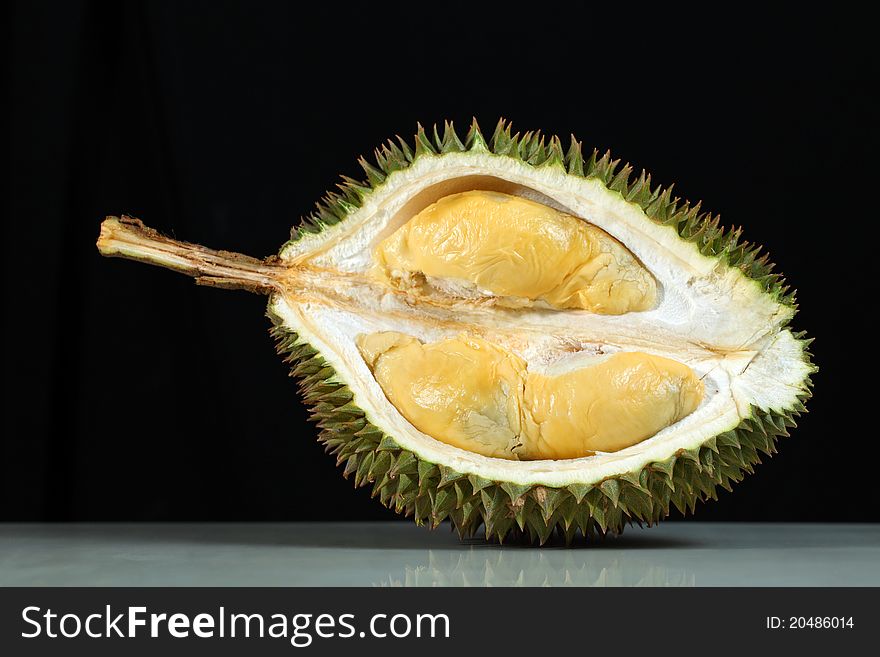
[659,203]
[431,493]
[505,506]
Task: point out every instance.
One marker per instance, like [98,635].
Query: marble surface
[401,554]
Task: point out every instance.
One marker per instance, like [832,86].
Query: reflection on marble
[401,554]
[537,568]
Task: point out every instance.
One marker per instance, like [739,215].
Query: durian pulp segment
[480,397]
[518,252]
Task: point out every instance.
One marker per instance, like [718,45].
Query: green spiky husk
[431,493]
[533,148]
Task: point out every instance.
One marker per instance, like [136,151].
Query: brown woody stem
[127,237]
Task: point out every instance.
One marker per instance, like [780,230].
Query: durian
[516,338]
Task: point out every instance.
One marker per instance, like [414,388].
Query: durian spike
[128,237]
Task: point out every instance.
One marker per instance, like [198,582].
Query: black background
[132,394]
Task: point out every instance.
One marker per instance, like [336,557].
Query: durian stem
[128,237]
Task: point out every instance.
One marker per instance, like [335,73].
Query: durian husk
[432,493]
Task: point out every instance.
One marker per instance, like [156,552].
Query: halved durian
[512,337]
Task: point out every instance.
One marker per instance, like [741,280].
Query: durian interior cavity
[511,251]
[333,331]
[468,392]
[708,316]
[697,294]
[480,397]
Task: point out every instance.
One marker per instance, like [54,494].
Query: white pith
[710,316]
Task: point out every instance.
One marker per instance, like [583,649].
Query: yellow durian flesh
[478,396]
[483,244]
[464,392]
[617,402]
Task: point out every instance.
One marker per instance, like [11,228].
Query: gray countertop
[401,554]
